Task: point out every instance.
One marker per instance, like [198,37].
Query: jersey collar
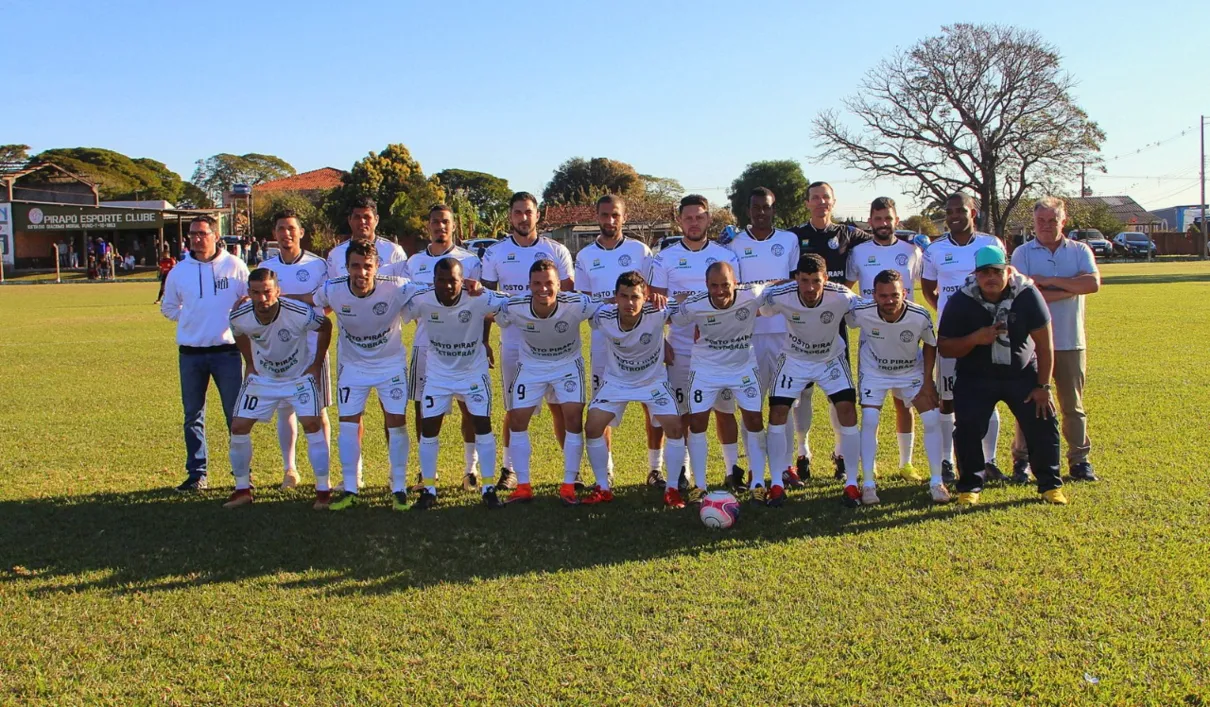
[621,240]
[449,250]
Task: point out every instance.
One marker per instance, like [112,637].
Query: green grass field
[114,590]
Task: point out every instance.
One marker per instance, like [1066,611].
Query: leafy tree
[269,203]
[117,176]
[577,179]
[14,154]
[984,108]
[193,197]
[216,175]
[789,186]
[487,192]
[921,224]
[1097,214]
[395,181]
[661,190]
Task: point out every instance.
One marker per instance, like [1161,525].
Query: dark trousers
[197,368]
[974,400]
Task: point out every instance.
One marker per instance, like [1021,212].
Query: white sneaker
[869,496]
[940,493]
[290,480]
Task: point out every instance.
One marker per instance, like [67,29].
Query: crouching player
[890,360]
[633,335]
[279,366]
[813,353]
[456,367]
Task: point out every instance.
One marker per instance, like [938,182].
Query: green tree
[117,176]
[487,192]
[1096,215]
[193,197]
[661,190]
[789,186]
[14,154]
[921,224]
[216,175]
[577,180]
[396,182]
[272,202]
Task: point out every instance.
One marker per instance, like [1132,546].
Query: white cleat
[869,496]
[940,493]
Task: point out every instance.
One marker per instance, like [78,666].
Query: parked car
[272,250]
[1134,244]
[1093,238]
[670,240]
[478,245]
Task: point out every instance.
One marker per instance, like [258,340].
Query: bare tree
[984,108]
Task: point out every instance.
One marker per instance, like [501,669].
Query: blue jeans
[197,369]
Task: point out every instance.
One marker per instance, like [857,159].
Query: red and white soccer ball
[719,510]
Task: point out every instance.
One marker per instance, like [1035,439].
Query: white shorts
[474,390]
[708,388]
[946,370]
[679,377]
[325,390]
[657,395]
[416,377]
[353,389]
[794,375]
[873,388]
[260,396]
[768,347]
[563,385]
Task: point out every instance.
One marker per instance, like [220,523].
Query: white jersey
[548,342]
[455,332]
[507,264]
[725,335]
[948,263]
[635,356]
[891,348]
[369,326]
[388,254]
[764,261]
[598,268]
[868,259]
[678,269]
[812,332]
[420,270]
[302,277]
[280,349]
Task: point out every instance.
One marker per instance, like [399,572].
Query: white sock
[598,459]
[869,445]
[320,458]
[573,454]
[757,454]
[485,445]
[697,458]
[655,459]
[674,457]
[397,452]
[348,446]
[469,457]
[730,455]
[778,449]
[427,452]
[287,435]
[932,444]
[506,460]
[992,436]
[850,447]
[520,455]
[609,461]
[906,440]
[802,421]
[835,424]
[947,437]
[240,453]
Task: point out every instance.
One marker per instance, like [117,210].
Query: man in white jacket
[198,295]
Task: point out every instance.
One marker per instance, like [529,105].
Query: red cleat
[524,493]
[567,494]
[597,496]
[672,498]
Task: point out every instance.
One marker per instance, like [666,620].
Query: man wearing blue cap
[997,326]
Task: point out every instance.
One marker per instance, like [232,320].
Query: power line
[1148,146]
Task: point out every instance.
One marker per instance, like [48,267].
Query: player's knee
[482,425]
[242,425]
[310,425]
[846,413]
[698,422]
[672,427]
[392,420]
[752,421]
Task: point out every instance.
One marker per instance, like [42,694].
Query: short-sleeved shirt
[389,253]
[764,261]
[812,333]
[370,324]
[420,270]
[963,315]
[832,242]
[724,344]
[1070,259]
[891,348]
[455,332]
[636,355]
[550,342]
[870,258]
[507,264]
[678,269]
[598,268]
[947,263]
[281,349]
[301,277]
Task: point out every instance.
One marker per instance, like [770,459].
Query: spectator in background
[62,252]
[128,262]
[164,267]
[93,273]
[73,258]
[254,252]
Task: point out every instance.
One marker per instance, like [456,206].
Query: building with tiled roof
[1132,215]
[321,179]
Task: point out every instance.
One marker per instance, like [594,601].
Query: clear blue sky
[693,91]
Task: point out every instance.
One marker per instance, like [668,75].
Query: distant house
[575,225]
[315,181]
[1180,218]
[1133,216]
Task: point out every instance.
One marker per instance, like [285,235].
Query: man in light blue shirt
[1064,271]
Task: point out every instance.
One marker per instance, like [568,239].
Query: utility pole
[1202,245]
[1083,193]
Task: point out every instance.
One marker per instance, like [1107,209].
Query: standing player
[457,368]
[632,331]
[298,273]
[421,268]
[550,366]
[363,223]
[281,370]
[866,261]
[506,269]
[948,261]
[681,269]
[598,266]
[723,360]
[890,360]
[833,242]
[812,353]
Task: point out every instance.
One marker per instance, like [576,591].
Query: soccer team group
[689,333]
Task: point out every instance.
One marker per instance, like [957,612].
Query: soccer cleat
[682,484]
[193,484]
[508,479]
[736,480]
[345,502]
[838,474]
[470,482]
[672,498]
[579,484]
[597,496]
[940,493]
[851,497]
[907,472]
[241,497]
[1020,472]
[758,494]
[492,500]
[696,495]
[1083,472]
[869,496]
[776,497]
[524,493]
[427,500]
[399,501]
[323,499]
[947,472]
[1055,496]
[968,498]
[656,479]
[289,480]
[803,467]
[416,487]
[567,494]
[991,472]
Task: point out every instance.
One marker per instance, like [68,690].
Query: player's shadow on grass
[153,541]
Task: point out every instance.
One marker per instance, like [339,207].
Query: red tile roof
[315,180]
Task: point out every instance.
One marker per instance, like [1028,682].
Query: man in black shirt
[997,326]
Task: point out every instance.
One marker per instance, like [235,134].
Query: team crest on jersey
[779,250]
[834,374]
[396,393]
[834,243]
[302,275]
[901,259]
[380,308]
[569,386]
[826,317]
[711,261]
[906,337]
[743,314]
[477,398]
[464,316]
[304,398]
[750,392]
[283,335]
[561,327]
[624,260]
[542,256]
[727,395]
[645,339]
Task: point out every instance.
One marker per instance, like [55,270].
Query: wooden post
[58,255]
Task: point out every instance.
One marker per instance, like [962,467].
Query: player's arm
[1044,349]
[323,341]
[307,298]
[1083,284]
[244,344]
[170,306]
[929,289]
[959,346]
[927,397]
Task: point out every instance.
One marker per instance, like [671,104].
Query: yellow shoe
[908,473]
[1055,496]
[968,498]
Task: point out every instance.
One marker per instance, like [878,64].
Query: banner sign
[42,218]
